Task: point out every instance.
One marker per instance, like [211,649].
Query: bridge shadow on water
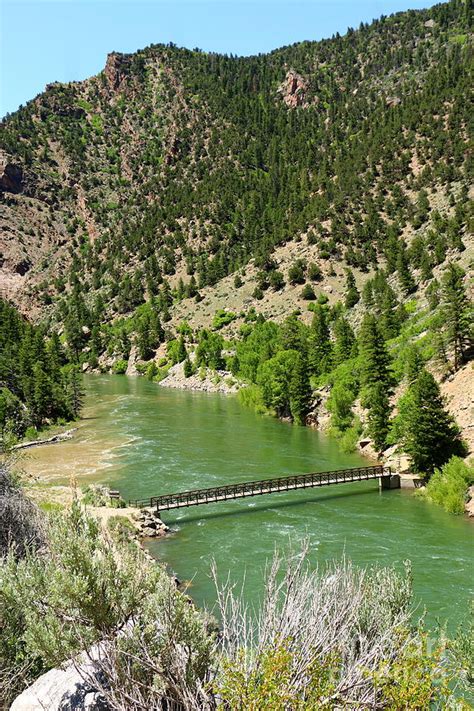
[171,519]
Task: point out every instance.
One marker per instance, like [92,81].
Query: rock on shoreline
[209,381]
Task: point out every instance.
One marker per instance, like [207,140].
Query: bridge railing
[262,486]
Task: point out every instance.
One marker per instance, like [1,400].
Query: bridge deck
[169,502]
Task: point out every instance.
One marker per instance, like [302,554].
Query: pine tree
[345,346]
[352,295]
[41,400]
[390,323]
[413,363]
[426,268]
[378,419]
[300,390]
[429,434]
[182,352]
[75,391]
[405,276]
[145,350]
[458,314]
[292,336]
[188,367]
[319,343]
[374,358]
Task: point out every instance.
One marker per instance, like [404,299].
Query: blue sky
[65,40]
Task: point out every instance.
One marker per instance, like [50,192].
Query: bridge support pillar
[389,482]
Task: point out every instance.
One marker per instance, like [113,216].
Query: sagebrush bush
[84,589]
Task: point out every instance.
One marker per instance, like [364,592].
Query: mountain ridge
[176,164]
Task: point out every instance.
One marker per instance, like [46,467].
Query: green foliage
[98,495]
[339,404]
[461,648]
[285,385]
[269,685]
[345,346]
[151,371]
[374,357]
[423,426]
[308,293]
[349,438]
[458,314]
[378,419]
[176,350]
[338,169]
[308,643]
[448,486]
[188,368]
[352,294]
[222,318]
[36,386]
[209,350]
[251,396]
[319,343]
[412,682]
[82,590]
[120,367]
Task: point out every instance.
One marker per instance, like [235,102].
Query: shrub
[155,651]
[276,280]
[151,371]
[340,404]
[98,495]
[350,437]
[21,523]
[120,367]
[296,273]
[327,639]
[222,318]
[252,396]
[308,293]
[448,486]
[314,272]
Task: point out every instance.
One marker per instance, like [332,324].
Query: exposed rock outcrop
[293,89]
[116,68]
[11,174]
[458,390]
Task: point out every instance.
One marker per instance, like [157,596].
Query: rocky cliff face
[11,174]
[293,89]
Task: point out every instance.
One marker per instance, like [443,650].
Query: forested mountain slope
[180,164]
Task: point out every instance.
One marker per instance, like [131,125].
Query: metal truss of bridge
[228,492]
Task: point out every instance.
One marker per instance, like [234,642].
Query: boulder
[63,689]
[148,532]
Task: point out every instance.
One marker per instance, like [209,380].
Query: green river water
[146,440]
